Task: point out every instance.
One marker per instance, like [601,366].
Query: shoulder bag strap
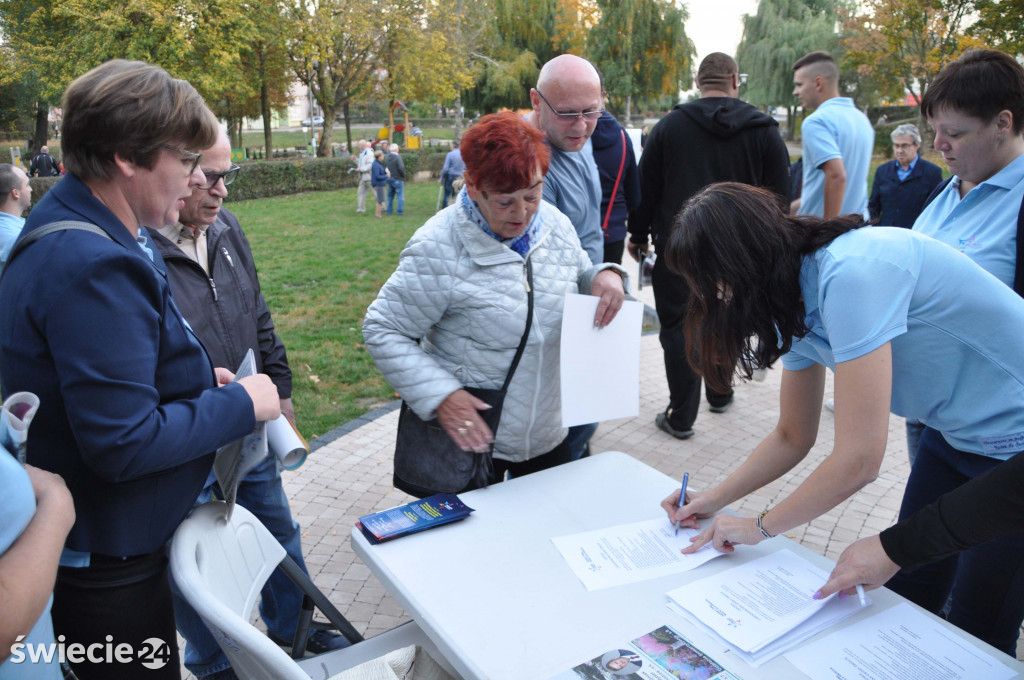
[529,323]
[47,229]
[615,189]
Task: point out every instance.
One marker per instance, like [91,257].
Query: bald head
[718,76]
[571,85]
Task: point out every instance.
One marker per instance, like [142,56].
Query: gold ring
[468,423]
[462,430]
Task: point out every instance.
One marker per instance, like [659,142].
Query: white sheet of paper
[899,643]
[630,552]
[763,607]
[600,369]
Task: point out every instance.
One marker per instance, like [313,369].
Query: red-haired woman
[453,314]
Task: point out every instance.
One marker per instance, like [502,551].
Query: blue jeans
[987,581]
[263,495]
[396,187]
[578,440]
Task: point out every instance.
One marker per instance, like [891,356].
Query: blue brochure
[413,517]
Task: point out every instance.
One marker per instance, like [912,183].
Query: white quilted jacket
[464,294]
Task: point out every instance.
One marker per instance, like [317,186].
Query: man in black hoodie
[717,138]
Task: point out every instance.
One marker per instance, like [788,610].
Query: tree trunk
[234,125]
[458,117]
[791,124]
[265,107]
[629,110]
[348,125]
[42,128]
[323,150]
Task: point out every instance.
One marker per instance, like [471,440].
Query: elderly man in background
[903,184]
[363,164]
[396,180]
[16,193]
[213,278]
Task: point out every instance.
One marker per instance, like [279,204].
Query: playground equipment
[402,133]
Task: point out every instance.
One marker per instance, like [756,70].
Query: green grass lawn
[320,266]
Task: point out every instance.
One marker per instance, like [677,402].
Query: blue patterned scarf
[520,244]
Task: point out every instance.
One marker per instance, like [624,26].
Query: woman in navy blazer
[130,409]
[903,184]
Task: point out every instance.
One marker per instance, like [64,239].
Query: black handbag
[427,460]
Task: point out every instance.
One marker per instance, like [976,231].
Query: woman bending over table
[906,323]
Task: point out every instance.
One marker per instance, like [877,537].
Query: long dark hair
[741,254]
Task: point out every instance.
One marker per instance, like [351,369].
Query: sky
[717,25]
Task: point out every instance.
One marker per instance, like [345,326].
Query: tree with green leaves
[779,33]
[335,50]
[903,44]
[642,49]
[999,24]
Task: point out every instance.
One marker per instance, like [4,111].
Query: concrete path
[350,476]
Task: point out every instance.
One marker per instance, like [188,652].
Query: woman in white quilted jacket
[454,312]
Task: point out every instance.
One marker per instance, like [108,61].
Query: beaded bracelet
[760,527]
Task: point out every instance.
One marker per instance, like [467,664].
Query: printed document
[764,607]
[899,643]
[600,369]
[630,552]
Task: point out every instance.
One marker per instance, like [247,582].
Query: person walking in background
[903,184]
[837,142]
[15,199]
[363,164]
[713,139]
[451,171]
[620,186]
[396,180]
[43,164]
[378,180]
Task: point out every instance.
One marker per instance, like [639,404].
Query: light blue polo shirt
[10,228]
[957,333]
[837,129]
[17,507]
[983,224]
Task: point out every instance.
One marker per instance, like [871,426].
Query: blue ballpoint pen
[682,497]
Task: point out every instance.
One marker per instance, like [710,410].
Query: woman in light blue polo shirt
[907,324]
[975,105]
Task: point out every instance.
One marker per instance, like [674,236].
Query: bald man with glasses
[567,103]
[213,280]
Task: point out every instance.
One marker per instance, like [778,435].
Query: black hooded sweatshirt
[713,139]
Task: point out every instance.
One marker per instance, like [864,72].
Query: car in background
[315,121]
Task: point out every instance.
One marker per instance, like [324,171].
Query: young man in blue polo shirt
[837,142]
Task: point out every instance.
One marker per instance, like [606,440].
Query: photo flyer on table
[411,518]
[662,654]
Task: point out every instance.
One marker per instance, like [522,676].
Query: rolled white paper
[286,443]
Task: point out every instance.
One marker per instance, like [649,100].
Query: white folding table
[500,603]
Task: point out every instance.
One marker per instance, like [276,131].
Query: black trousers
[556,456]
[671,297]
[116,602]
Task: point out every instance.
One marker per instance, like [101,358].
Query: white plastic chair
[221,566]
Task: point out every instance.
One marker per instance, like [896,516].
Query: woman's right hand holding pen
[697,506]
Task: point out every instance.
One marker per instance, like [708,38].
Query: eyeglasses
[186,156]
[228,176]
[570,117]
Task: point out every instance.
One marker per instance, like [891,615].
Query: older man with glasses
[213,278]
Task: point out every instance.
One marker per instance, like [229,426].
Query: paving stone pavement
[350,476]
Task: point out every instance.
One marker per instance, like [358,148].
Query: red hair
[503,153]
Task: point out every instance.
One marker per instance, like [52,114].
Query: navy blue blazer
[129,413]
[897,204]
